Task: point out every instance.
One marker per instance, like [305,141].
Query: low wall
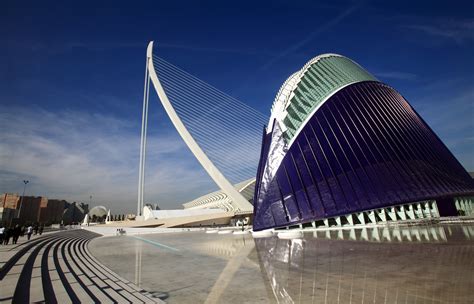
[112,231]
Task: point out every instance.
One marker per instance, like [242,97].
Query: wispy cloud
[396,75]
[453,113]
[459,31]
[39,46]
[449,109]
[72,155]
[213,49]
[326,26]
[67,46]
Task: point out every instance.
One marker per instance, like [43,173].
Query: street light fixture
[21,202]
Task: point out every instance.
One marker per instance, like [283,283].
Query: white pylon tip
[149,50]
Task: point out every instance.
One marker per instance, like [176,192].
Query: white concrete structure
[221,200]
[148,213]
[141,168]
[238,200]
[98,211]
[86,220]
[108,218]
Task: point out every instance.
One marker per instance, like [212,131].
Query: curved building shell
[341,142]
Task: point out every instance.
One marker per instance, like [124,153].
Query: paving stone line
[115,282]
[88,275]
[59,265]
[76,272]
[112,280]
[60,269]
[139,291]
[26,247]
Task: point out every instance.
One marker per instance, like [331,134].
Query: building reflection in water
[138,264]
[372,265]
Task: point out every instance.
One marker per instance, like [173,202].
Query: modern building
[51,212]
[220,200]
[212,209]
[29,208]
[10,200]
[39,209]
[74,213]
[98,213]
[343,148]
[6,216]
[8,207]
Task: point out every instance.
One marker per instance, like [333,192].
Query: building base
[422,210]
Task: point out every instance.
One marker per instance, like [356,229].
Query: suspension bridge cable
[228,130]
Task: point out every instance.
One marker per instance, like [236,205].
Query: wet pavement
[428,264]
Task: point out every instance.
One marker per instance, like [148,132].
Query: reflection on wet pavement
[429,264]
[431,234]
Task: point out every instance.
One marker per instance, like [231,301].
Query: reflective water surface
[429,264]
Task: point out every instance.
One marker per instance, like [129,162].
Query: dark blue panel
[316,142]
[287,193]
[316,170]
[361,160]
[298,188]
[275,203]
[312,192]
[407,179]
[364,148]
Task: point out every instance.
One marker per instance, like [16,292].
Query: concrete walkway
[58,268]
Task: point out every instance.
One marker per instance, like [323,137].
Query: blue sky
[71,80]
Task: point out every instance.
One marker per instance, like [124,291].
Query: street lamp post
[21,202]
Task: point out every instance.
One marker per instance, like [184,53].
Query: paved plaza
[58,268]
[422,264]
[416,264]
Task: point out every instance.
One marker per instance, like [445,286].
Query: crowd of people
[14,233]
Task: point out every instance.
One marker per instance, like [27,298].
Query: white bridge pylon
[238,199]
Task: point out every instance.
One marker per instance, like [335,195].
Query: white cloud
[456,30]
[72,155]
[449,111]
[396,75]
[347,11]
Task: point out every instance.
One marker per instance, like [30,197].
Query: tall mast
[143,138]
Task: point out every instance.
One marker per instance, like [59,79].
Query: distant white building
[220,200]
[206,209]
[148,213]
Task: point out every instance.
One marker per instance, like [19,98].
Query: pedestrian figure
[16,233]
[41,229]
[36,229]
[6,236]
[29,231]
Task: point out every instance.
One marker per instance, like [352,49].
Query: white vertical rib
[144,143]
[141,166]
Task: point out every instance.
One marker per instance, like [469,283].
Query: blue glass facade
[364,148]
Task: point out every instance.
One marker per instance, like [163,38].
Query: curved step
[59,268]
